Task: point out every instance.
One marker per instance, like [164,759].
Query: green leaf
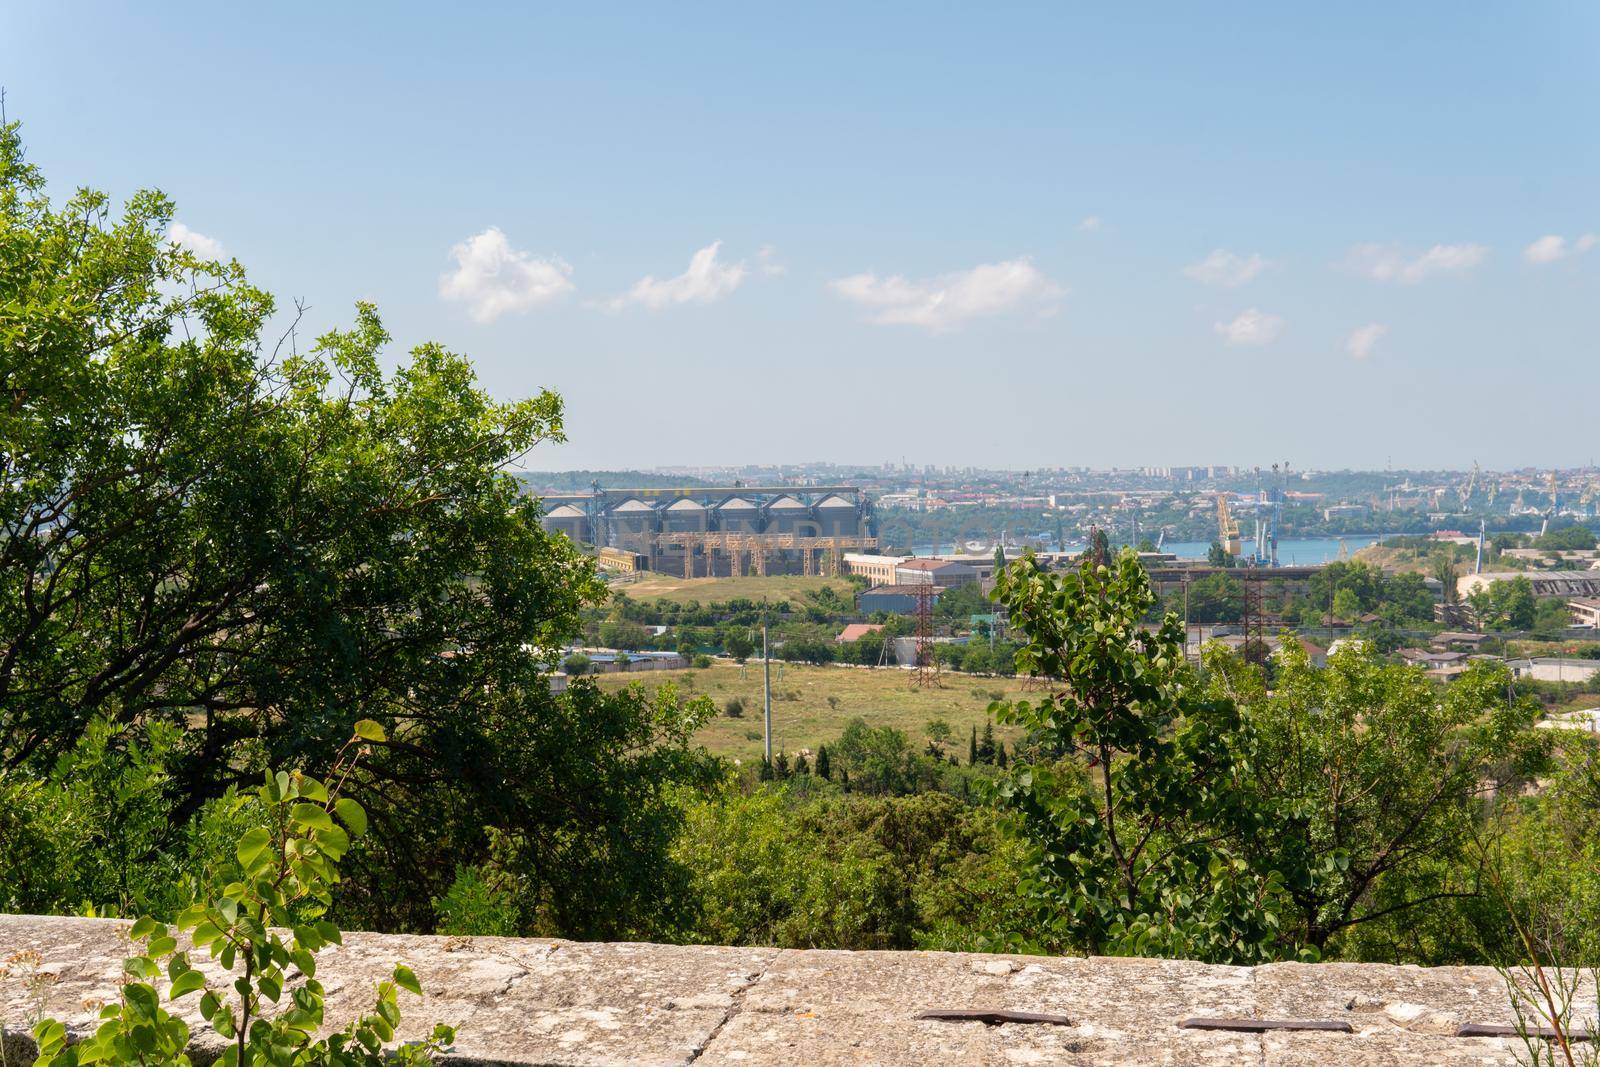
[406,979]
[187,982]
[252,848]
[311,816]
[368,730]
[352,815]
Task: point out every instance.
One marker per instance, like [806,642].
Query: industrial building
[1545,583]
[696,532]
[894,599]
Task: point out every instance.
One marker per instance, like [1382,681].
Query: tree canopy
[209,526]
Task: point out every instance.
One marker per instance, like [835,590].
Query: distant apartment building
[875,568]
[1335,512]
[1585,611]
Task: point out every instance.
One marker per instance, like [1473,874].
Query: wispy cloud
[768,263]
[1389,263]
[1362,340]
[1250,327]
[1091,223]
[1225,268]
[949,301]
[1552,247]
[195,241]
[705,282]
[491,278]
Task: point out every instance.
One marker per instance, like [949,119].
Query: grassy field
[790,587]
[803,715]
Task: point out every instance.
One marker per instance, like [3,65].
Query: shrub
[287,866]
[733,707]
[702,661]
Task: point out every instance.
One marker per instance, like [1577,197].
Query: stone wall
[529,1001]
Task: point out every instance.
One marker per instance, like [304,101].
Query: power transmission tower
[926,673]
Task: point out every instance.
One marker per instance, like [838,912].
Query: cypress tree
[972,747]
[824,770]
[986,746]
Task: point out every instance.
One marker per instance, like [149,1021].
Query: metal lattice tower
[926,672]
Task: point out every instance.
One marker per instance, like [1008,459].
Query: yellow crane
[1227,529]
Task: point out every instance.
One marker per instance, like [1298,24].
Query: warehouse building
[717,532]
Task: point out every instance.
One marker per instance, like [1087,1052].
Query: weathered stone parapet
[529,1001]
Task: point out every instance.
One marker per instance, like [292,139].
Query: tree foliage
[1140,828]
[243,539]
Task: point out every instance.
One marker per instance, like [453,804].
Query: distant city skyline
[1001,238]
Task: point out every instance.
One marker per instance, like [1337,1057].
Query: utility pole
[766,685]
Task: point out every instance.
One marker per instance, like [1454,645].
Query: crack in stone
[736,1008]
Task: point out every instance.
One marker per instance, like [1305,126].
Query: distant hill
[582,481]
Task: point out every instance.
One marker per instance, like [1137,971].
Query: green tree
[738,644]
[1379,782]
[1140,829]
[1505,605]
[242,539]
[1219,556]
[1346,604]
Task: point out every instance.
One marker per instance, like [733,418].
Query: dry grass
[790,587]
[803,716]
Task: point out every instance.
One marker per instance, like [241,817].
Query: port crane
[1227,528]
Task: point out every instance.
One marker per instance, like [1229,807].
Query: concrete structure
[1586,721]
[612,661]
[1555,669]
[942,573]
[705,532]
[894,599]
[517,1002]
[1545,583]
[1585,611]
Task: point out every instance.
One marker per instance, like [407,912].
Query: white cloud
[196,242]
[705,282]
[1552,247]
[948,301]
[1090,223]
[492,278]
[1388,263]
[1250,327]
[1363,339]
[1226,268]
[769,263]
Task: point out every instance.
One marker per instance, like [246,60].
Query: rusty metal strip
[1497,1030]
[1257,1026]
[993,1016]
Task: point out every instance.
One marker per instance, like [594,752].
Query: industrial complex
[719,532]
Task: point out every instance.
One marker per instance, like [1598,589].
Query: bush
[702,661]
[733,708]
[286,868]
[577,664]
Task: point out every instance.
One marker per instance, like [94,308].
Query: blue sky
[1018,235]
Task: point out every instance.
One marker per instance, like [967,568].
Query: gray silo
[836,517]
[738,515]
[786,515]
[567,519]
